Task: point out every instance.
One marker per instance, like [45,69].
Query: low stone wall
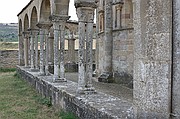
[8,58]
[63,95]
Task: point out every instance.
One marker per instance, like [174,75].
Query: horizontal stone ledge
[63,95]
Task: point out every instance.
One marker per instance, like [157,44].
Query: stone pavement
[113,89]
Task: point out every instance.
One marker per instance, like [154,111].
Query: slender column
[71,49]
[152,59]
[21,50]
[59,25]
[42,68]
[44,31]
[81,64]
[85,15]
[32,50]
[36,51]
[108,43]
[176,61]
[51,47]
[62,41]
[108,37]
[56,51]
[89,40]
[47,52]
[25,49]
[29,49]
[119,9]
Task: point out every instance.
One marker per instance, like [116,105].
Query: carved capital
[119,6]
[26,34]
[85,14]
[33,31]
[55,18]
[44,25]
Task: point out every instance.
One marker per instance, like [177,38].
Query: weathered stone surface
[176,61]
[152,59]
[63,95]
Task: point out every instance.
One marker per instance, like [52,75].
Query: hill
[8,32]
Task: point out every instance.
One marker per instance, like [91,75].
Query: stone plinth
[63,95]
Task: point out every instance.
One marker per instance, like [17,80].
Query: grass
[8,45]
[19,101]
[7,69]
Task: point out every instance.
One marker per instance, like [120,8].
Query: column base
[42,74]
[34,70]
[90,90]
[94,73]
[106,77]
[71,67]
[59,80]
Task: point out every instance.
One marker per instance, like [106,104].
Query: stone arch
[45,11]
[26,22]
[34,18]
[20,26]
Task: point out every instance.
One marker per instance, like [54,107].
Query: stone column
[29,49]
[36,51]
[85,13]
[71,66]
[89,43]
[21,50]
[25,48]
[152,59]
[59,26]
[32,50]
[108,43]
[119,10]
[71,48]
[44,28]
[95,73]
[176,61]
[62,41]
[33,46]
[51,48]
[47,51]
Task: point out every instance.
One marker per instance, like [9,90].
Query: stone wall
[122,59]
[86,106]
[8,58]
[122,56]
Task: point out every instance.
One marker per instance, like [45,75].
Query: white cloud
[10,8]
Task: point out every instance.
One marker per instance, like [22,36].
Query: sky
[10,8]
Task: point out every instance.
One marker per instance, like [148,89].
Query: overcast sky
[10,8]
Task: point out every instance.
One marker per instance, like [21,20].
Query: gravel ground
[116,90]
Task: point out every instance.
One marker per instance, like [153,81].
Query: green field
[19,101]
[8,45]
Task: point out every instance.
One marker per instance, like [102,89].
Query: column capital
[25,34]
[61,18]
[44,25]
[33,31]
[119,6]
[85,14]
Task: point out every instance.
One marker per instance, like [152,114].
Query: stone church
[137,46]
